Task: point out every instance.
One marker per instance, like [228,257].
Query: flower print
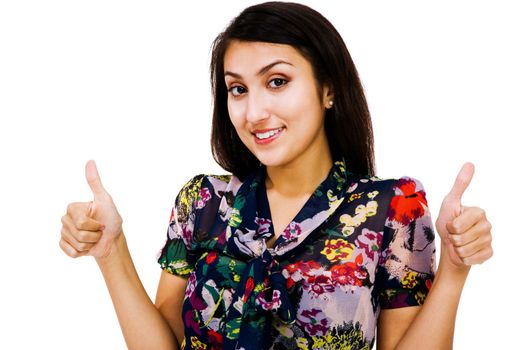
[409,279]
[191,285]
[428,283]
[314,321]
[407,204]
[203,197]
[420,297]
[350,273]
[373,194]
[352,187]
[191,321]
[210,258]
[197,344]
[215,339]
[283,328]
[302,343]
[369,242]
[337,249]
[361,213]
[274,304]
[297,271]
[235,218]
[263,226]
[249,287]
[292,231]
[355,196]
[318,285]
[238,305]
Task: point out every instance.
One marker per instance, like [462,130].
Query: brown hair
[348,124]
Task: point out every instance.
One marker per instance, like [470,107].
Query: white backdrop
[126,83]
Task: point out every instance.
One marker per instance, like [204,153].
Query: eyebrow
[261,71]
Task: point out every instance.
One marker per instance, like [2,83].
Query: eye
[236,90]
[277,82]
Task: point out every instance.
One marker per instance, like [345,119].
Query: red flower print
[215,339]
[349,273]
[296,271]
[407,205]
[210,258]
[317,285]
[249,287]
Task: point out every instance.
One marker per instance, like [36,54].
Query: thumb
[94,181]
[462,181]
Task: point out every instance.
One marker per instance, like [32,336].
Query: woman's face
[274,104]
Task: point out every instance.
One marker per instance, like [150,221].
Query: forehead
[252,55]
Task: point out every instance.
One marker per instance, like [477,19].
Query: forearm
[142,324]
[433,327]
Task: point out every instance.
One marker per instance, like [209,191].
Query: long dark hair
[348,124]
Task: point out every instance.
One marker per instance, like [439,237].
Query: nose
[257,108]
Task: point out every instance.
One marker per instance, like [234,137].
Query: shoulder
[394,186]
[198,190]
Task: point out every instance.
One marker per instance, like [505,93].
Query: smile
[268,136]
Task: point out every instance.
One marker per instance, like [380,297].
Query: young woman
[302,246]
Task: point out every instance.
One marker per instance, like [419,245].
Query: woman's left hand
[464,231]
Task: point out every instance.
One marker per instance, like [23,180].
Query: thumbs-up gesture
[91,228]
[465,231]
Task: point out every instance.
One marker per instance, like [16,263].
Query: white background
[126,83]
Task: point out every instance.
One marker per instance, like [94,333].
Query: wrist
[115,251]
[447,267]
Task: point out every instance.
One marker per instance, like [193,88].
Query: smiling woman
[301,245]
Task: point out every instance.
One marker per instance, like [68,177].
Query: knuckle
[80,222]
[457,240]
[461,252]
[83,247]
[456,228]
[82,236]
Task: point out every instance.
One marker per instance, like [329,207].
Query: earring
[331,103]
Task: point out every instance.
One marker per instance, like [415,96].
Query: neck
[300,177]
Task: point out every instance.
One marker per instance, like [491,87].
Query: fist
[465,231]
[91,228]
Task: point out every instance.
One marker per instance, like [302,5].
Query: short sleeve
[407,260]
[174,257]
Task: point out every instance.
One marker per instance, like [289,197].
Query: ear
[328,96]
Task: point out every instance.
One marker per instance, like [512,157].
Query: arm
[465,240]
[95,229]
[430,326]
[142,324]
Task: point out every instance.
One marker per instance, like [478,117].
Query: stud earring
[331,103]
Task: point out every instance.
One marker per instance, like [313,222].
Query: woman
[302,246]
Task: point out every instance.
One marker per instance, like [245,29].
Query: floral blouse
[358,245]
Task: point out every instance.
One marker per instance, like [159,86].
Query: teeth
[268,134]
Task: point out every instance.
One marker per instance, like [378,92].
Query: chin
[273,160]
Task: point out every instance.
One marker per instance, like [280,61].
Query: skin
[296,164]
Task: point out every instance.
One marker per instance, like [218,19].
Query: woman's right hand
[91,228]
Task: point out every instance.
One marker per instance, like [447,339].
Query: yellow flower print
[409,279]
[420,297]
[361,213]
[302,343]
[318,342]
[235,218]
[373,194]
[197,344]
[337,249]
[355,196]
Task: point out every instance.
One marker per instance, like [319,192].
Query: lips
[270,138]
